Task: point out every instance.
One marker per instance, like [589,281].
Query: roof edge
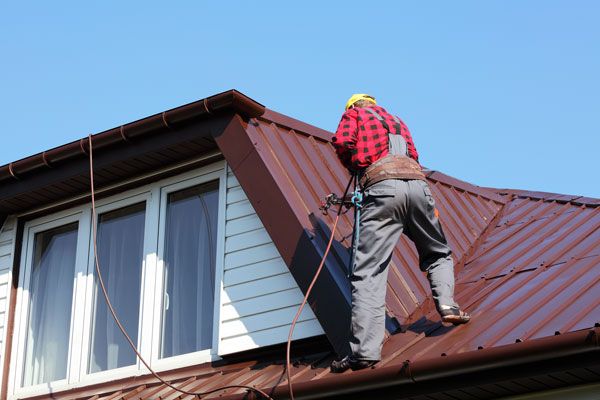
[508,356]
[231,100]
[296,125]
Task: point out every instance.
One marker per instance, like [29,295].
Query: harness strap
[396,142]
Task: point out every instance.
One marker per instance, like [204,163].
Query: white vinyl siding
[7,246]
[259,297]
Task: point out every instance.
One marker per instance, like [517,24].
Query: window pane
[120,253]
[51,297]
[190,247]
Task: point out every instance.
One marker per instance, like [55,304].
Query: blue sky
[497,93]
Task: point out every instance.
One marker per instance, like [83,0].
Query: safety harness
[396,165]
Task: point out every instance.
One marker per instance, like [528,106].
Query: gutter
[444,367]
[231,100]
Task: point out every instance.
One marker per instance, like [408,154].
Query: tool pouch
[391,167]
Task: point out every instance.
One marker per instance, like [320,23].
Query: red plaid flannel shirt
[361,139]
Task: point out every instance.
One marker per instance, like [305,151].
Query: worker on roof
[378,147]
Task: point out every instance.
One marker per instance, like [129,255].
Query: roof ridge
[549,196]
[466,186]
[295,124]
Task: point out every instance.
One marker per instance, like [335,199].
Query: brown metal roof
[528,270]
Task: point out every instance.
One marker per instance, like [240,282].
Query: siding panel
[265,337]
[256,271]
[259,287]
[259,296]
[239,209]
[250,256]
[258,322]
[285,298]
[241,225]
[247,240]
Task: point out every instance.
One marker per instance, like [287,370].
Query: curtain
[120,253]
[50,296]
[189,281]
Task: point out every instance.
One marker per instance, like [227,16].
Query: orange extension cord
[289,341]
[134,347]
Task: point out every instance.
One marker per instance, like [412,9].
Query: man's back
[362,138]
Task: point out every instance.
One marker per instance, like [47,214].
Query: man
[378,147]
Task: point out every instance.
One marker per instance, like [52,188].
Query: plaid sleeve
[345,138]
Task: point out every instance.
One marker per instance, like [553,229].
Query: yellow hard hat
[359,96]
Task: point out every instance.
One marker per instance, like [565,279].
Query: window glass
[120,253]
[50,300]
[189,280]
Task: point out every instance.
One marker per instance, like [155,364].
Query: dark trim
[121,187]
[41,184]
[10,313]
[230,101]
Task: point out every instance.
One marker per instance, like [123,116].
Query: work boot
[454,315]
[346,363]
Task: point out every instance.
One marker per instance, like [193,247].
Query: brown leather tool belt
[391,167]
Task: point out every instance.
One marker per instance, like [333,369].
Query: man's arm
[344,139]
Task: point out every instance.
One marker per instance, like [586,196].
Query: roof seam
[482,237]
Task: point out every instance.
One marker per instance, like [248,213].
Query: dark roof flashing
[229,101]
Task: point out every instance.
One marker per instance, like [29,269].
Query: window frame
[149,320]
[207,354]
[31,228]
[103,207]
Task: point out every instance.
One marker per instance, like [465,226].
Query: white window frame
[101,208]
[31,228]
[202,355]
[155,197]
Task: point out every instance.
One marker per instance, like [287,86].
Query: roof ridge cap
[465,186]
[549,196]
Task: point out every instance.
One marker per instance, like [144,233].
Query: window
[189,270]
[160,256]
[120,244]
[51,295]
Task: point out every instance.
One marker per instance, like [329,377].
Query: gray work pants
[389,208]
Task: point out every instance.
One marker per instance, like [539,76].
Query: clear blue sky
[497,93]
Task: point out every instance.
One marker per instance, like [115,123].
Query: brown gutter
[231,100]
[444,367]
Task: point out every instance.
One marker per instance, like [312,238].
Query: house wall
[7,246]
[259,296]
